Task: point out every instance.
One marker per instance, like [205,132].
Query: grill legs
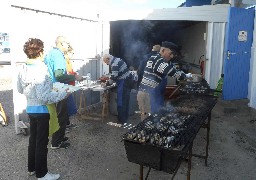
[207,126]
[141,172]
[208,137]
[189,162]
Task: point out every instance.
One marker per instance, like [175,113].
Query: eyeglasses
[66,43]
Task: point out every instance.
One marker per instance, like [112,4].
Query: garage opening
[131,40]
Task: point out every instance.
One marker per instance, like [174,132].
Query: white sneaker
[49,176]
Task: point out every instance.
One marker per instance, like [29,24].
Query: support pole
[208,137]
[141,172]
[189,162]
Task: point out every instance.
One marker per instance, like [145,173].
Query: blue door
[238,53]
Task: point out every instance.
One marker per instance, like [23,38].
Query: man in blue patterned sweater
[157,68]
[123,77]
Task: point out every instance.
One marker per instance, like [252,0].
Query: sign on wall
[4,43]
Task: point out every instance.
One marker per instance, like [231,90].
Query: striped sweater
[119,69]
[157,69]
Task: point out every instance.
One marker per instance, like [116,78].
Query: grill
[163,140]
[201,87]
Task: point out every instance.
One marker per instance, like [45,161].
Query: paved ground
[97,152]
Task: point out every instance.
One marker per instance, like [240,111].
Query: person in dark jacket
[157,68]
[123,77]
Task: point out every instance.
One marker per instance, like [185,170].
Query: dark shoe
[71,125]
[65,139]
[62,145]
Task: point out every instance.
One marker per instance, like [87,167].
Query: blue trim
[37,109]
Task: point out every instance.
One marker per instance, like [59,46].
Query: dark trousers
[72,110]
[38,140]
[62,114]
[123,99]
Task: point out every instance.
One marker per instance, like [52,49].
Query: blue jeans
[123,98]
[157,97]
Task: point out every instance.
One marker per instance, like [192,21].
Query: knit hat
[170,45]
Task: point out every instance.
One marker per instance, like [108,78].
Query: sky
[110,9]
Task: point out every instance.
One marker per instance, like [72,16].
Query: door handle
[229,53]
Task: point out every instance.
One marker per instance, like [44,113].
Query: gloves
[189,76]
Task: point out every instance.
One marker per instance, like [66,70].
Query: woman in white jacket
[35,83]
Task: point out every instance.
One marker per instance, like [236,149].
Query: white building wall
[29,24]
[193,43]
[252,74]
[214,52]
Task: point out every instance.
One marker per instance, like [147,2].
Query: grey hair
[108,56]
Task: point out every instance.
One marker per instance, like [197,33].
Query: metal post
[189,161]
[208,137]
[147,173]
[141,172]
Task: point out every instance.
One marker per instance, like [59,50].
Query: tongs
[175,91]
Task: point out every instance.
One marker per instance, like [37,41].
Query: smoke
[136,36]
[132,40]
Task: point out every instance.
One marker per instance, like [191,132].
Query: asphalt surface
[98,153]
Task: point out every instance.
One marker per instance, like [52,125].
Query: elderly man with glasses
[56,63]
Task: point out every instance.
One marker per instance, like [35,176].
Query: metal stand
[141,172]
[205,125]
[189,161]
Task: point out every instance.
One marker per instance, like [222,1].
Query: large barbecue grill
[199,88]
[163,140]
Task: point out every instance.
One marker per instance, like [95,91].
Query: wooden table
[105,102]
